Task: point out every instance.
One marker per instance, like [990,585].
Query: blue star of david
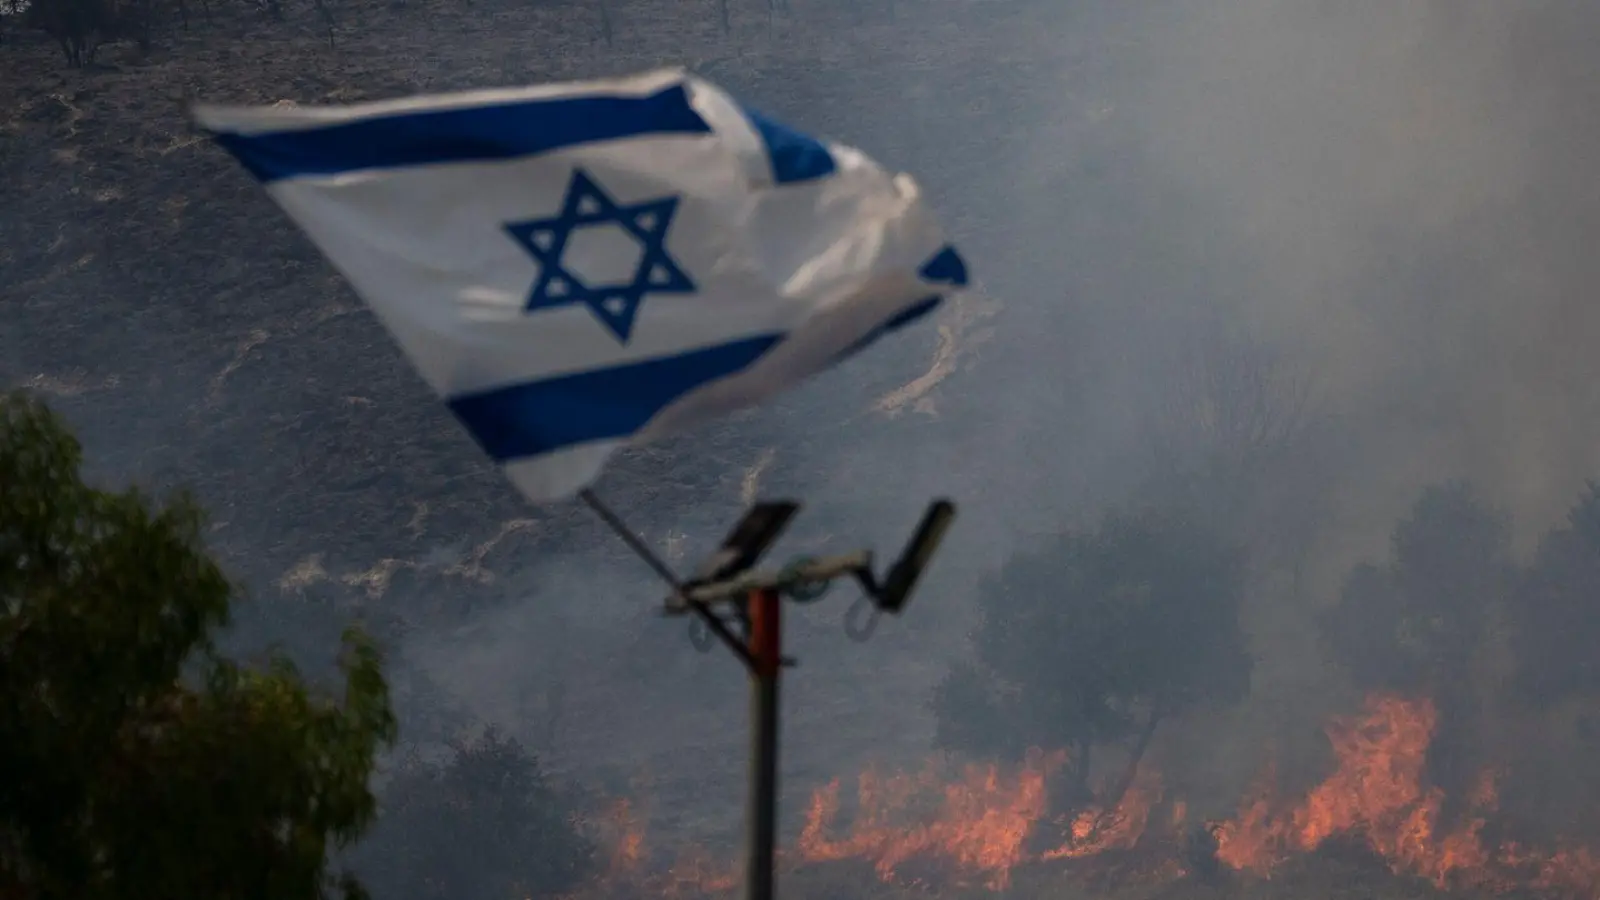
[615,305]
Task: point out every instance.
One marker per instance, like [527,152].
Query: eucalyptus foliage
[138,762]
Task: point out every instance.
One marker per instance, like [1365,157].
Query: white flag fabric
[573,267]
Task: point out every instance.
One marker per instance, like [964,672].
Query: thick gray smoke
[1404,193]
[1369,219]
[1290,259]
[1393,201]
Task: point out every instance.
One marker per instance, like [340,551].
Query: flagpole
[662,570]
[638,546]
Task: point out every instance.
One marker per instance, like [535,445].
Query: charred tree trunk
[1452,764]
[1131,771]
[1109,804]
[1065,796]
[1071,792]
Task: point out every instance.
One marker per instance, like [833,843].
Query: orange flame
[980,822]
[1378,780]
[1377,794]
[983,821]
[1096,830]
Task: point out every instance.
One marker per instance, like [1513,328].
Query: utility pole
[766,646]
[743,610]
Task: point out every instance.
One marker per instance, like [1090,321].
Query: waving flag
[574,267]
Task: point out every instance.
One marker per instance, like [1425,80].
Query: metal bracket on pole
[754,603]
[730,581]
[756,600]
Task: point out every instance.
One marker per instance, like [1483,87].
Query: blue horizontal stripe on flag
[795,157]
[472,134]
[519,421]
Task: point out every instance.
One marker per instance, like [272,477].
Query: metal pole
[766,648]
[758,598]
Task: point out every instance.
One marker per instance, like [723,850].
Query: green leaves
[1417,621]
[1555,629]
[140,764]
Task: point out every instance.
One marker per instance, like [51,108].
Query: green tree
[1096,641]
[1416,622]
[484,824]
[1554,626]
[138,762]
[1420,623]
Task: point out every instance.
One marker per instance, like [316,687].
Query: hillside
[147,267]
[197,340]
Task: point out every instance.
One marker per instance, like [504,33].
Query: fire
[627,852]
[981,823]
[694,873]
[1376,793]
[1095,830]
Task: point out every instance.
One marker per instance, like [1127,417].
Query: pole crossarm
[752,627]
[808,579]
[798,578]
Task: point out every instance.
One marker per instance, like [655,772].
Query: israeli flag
[578,266]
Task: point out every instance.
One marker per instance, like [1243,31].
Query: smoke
[1385,202]
[1399,189]
[1389,202]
